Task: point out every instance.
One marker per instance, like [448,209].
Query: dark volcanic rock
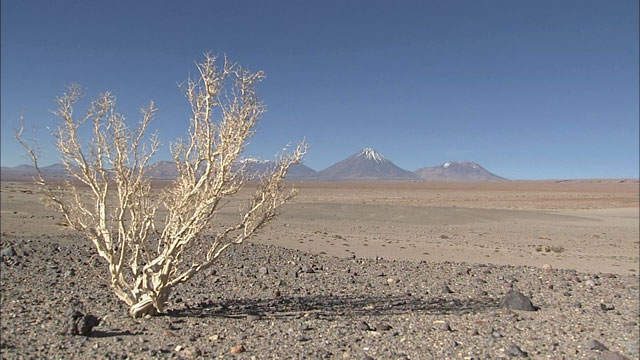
[515,351]
[383,327]
[606,307]
[515,300]
[307,269]
[446,289]
[446,327]
[77,323]
[596,345]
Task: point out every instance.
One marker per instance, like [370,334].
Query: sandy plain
[585,225]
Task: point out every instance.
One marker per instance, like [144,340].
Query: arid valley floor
[383,270]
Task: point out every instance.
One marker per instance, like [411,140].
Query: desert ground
[357,270]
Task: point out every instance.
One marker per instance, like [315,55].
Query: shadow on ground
[106,334]
[331,306]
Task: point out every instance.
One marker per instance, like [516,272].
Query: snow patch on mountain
[371,154]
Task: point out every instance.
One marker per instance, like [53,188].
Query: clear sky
[528,89]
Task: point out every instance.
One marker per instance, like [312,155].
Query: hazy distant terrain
[366,165]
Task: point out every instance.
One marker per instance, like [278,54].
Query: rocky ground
[266,302]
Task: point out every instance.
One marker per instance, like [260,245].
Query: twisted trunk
[150,304]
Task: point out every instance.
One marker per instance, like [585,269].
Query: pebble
[577,304]
[446,327]
[510,278]
[515,351]
[607,307]
[446,289]
[596,345]
[238,349]
[192,353]
[362,325]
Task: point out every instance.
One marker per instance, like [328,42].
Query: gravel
[326,312]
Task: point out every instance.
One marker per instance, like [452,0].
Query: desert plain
[357,270]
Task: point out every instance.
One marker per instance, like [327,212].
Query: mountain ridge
[365,165]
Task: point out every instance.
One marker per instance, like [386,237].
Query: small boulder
[515,300]
[79,323]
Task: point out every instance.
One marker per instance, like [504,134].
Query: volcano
[366,165]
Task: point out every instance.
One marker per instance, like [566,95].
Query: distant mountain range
[366,165]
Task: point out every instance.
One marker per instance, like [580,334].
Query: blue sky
[528,89]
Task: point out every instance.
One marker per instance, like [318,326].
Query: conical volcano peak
[371,154]
[365,165]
